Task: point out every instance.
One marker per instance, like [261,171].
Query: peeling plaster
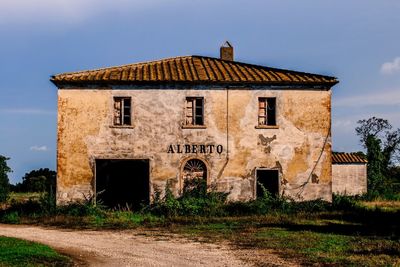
[85,132]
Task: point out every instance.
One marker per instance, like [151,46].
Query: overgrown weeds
[196,200]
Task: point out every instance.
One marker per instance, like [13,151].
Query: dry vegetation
[383,204]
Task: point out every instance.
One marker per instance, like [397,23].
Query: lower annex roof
[343,158]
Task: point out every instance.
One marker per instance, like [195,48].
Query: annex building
[125,131]
[349,174]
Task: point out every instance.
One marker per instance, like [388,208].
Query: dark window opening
[194,111]
[267,111]
[267,180]
[122,111]
[122,183]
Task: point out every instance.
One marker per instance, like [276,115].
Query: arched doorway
[194,169]
[194,173]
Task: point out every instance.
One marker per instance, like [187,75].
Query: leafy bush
[196,200]
[12,218]
[343,202]
[80,209]
[48,203]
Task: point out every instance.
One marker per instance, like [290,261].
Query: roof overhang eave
[91,84]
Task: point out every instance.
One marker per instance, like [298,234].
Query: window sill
[122,126]
[194,127]
[267,127]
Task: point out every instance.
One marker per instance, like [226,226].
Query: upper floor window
[122,111]
[266,111]
[194,111]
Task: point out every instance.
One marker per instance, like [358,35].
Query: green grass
[16,252]
[308,240]
[330,248]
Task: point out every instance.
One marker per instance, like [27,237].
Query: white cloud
[35,10]
[69,11]
[343,128]
[340,123]
[345,124]
[391,67]
[378,97]
[29,111]
[38,148]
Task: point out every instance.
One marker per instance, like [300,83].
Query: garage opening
[122,183]
[269,179]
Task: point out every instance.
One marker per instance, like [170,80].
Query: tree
[383,146]
[41,180]
[376,165]
[4,182]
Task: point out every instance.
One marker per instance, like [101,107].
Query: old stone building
[124,131]
[349,174]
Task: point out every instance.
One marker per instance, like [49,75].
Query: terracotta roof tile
[194,69]
[341,158]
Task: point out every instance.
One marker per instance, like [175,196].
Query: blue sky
[357,41]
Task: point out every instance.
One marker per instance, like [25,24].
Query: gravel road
[138,248]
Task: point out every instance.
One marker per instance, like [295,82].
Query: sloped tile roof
[193,69]
[342,158]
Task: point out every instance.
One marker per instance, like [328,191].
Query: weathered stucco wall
[300,147]
[349,179]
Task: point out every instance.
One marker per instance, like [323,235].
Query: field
[382,204]
[23,197]
[19,198]
[346,233]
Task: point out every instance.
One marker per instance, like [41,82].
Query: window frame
[190,119]
[123,117]
[262,113]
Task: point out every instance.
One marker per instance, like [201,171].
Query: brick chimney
[226,51]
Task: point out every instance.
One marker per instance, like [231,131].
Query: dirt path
[136,248]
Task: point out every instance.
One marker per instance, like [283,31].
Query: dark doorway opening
[269,179]
[122,183]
